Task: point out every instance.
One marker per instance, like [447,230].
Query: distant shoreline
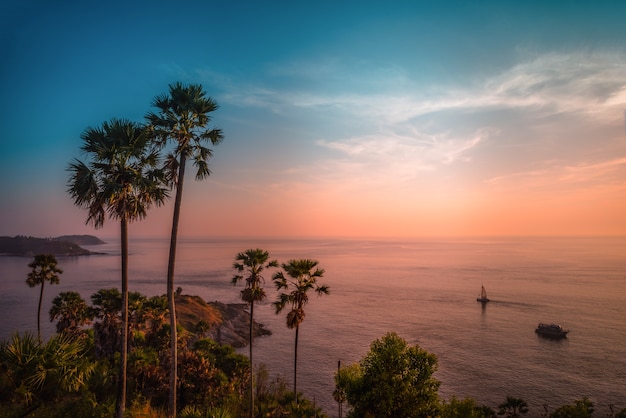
[66,245]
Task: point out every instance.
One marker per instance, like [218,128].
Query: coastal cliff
[227,323]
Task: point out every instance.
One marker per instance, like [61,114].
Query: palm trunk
[120,404]
[39,310]
[251,363]
[170,288]
[295,366]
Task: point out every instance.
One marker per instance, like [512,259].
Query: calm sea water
[425,290]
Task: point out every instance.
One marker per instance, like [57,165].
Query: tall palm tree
[122,180]
[250,264]
[182,117]
[44,269]
[303,275]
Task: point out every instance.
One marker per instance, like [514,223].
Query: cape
[67,245]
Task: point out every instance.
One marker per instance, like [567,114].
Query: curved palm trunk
[120,403]
[251,364]
[39,310]
[295,366]
[170,288]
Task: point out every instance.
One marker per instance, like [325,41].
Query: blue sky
[340,118]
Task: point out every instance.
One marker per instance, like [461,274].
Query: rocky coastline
[227,323]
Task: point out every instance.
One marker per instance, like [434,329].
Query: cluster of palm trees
[126,174]
[132,167]
[77,364]
[301,277]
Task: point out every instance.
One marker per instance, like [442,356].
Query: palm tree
[70,311]
[513,407]
[250,264]
[40,372]
[154,315]
[183,118]
[303,277]
[44,269]
[201,328]
[122,180]
[105,311]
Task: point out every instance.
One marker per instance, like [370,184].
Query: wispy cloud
[554,175]
[577,82]
[563,82]
[400,128]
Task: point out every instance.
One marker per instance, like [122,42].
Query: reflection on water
[423,290]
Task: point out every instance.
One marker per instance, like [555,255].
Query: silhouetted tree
[513,407]
[71,312]
[582,408]
[303,275]
[105,310]
[43,269]
[250,264]
[122,180]
[461,408]
[182,117]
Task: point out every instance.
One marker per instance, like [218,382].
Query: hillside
[228,323]
[29,246]
[81,239]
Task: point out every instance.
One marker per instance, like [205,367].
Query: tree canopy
[394,379]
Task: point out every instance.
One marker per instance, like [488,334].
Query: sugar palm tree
[303,275]
[105,311]
[182,117]
[121,180]
[43,269]
[513,407]
[154,316]
[70,311]
[250,264]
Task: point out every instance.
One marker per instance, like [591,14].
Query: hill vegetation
[61,246]
[227,323]
[81,239]
[73,373]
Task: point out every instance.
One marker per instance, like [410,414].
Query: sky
[340,118]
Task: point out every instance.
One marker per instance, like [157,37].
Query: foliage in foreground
[394,379]
[75,374]
[33,373]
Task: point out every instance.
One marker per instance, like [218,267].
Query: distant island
[80,239]
[65,245]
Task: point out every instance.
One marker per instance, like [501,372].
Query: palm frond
[123,179]
[202,169]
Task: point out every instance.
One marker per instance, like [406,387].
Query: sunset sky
[340,118]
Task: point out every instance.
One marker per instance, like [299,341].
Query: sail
[483,295]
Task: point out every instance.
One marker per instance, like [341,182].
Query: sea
[424,290]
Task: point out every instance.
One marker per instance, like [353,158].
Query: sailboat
[483,295]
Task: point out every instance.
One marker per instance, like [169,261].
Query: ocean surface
[424,290]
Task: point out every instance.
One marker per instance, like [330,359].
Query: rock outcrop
[227,323]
